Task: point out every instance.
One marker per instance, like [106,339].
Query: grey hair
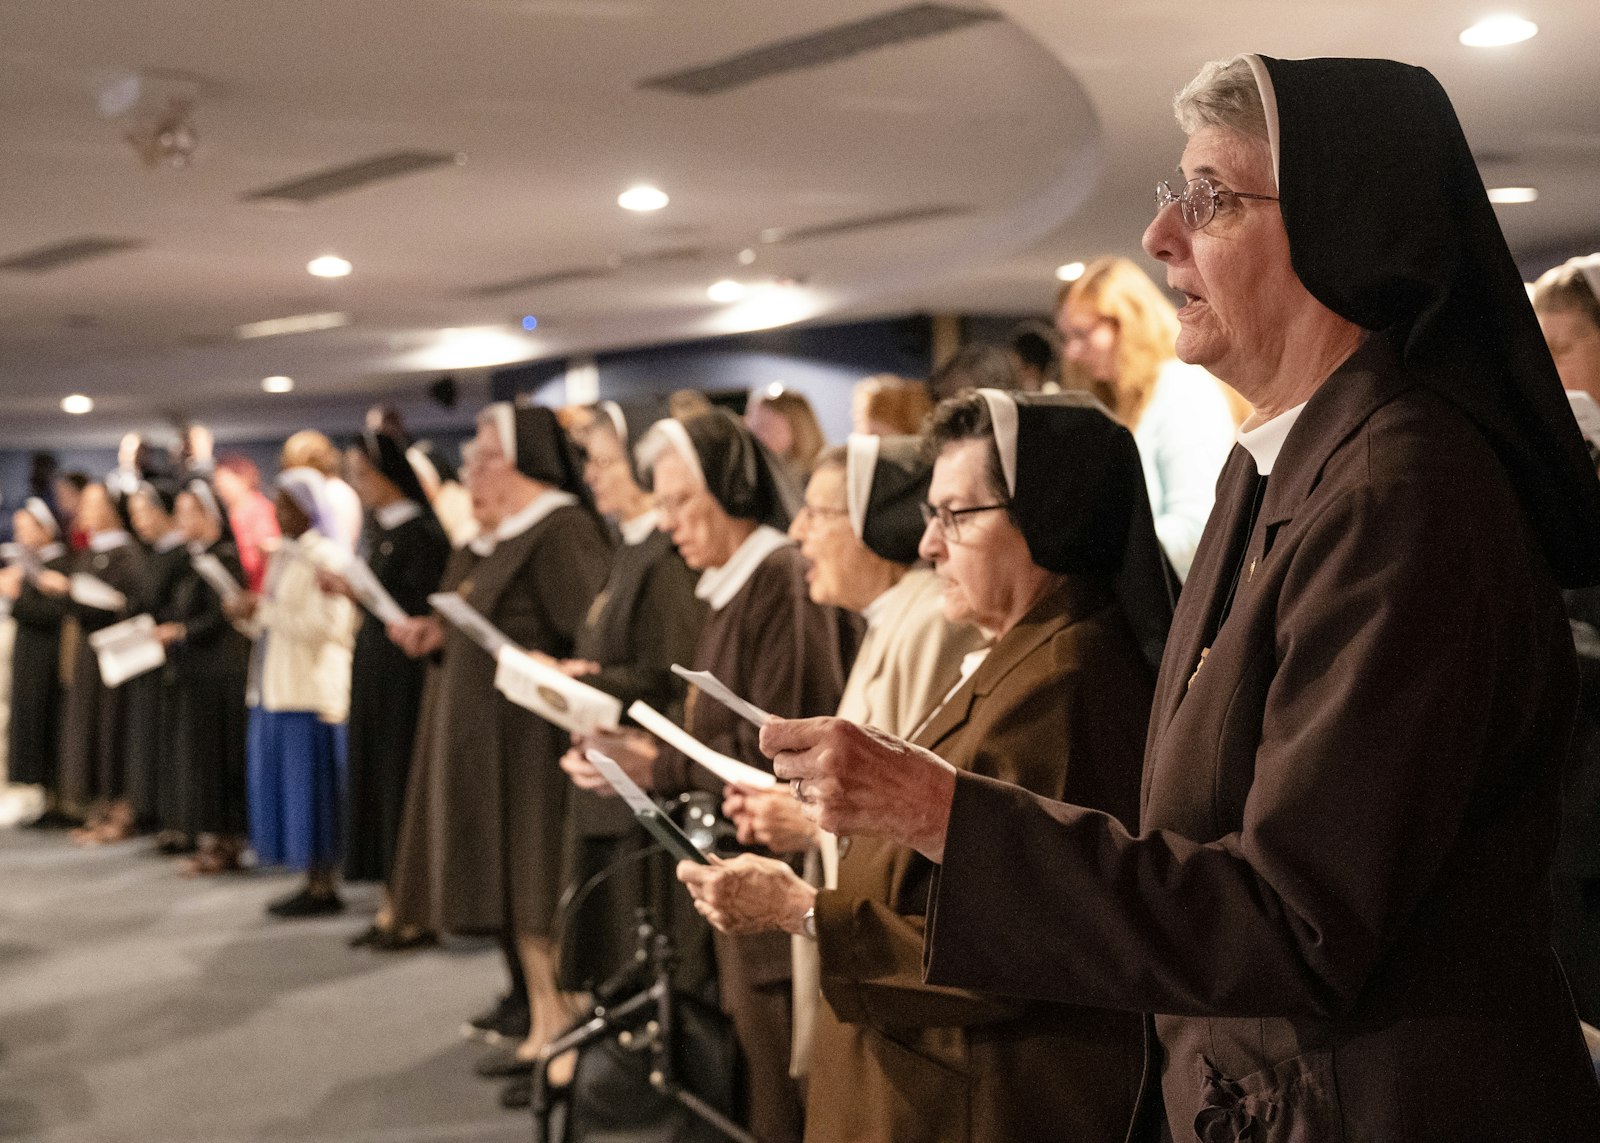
[1224,94]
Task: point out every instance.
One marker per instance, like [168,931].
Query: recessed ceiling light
[329,266]
[726,290]
[642,198]
[747,256]
[1513,194]
[77,404]
[298,323]
[1498,31]
[277,384]
[1071,272]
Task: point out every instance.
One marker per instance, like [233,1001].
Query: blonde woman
[1118,332]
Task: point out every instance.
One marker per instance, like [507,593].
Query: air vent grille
[781,235]
[539,281]
[353,176]
[67,253]
[841,42]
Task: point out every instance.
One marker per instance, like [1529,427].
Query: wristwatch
[808,924]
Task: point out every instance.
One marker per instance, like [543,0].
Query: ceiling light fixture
[643,198]
[329,266]
[726,290]
[298,323]
[277,384]
[1499,31]
[1513,194]
[747,256]
[1071,272]
[77,404]
[530,323]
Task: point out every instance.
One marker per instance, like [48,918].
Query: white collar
[640,528]
[54,550]
[391,516]
[106,541]
[173,539]
[1265,441]
[718,586]
[519,522]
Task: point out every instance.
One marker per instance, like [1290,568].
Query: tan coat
[898,1060]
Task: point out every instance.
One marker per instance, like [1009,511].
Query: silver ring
[797,786]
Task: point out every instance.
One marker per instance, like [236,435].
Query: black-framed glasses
[1197,201]
[950,518]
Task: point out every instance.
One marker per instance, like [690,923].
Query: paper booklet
[127,650]
[713,687]
[210,569]
[24,557]
[371,594]
[473,625]
[644,807]
[729,770]
[568,703]
[91,591]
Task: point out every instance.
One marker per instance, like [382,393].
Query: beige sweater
[308,636]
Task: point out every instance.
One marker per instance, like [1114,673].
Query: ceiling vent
[785,234]
[664,256]
[899,26]
[354,176]
[540,281]
[67,253]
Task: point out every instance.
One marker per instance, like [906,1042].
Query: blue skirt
[297,768]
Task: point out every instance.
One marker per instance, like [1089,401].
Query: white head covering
[308,488]
[1589,266]
[1003,413]
[861,458]
[505,427]
[40,511]
[670,434]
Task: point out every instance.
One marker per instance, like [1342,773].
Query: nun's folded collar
[719,585]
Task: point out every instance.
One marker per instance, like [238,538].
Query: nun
[1041,535]
[1339,905]
[299,696]
[95,739]
[725,500]
[645,619]
[211,661]
[154,784]
[480,848]
[406,549]
[36,694]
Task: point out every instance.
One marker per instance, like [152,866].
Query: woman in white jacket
[299,699]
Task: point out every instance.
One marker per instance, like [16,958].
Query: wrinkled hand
[332,583]
[857,780]
[577,668]
[771,818]
[747,894]
[633,750]
[242,606]
[169,633]
[419,636]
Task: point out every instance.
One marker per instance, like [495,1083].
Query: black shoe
[307,904]
[174,843]
[54,819]
[367,937]
[518,1093]
[388,940]
[499,1063]
[507,1020]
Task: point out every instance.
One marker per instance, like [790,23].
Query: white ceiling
[1048,128]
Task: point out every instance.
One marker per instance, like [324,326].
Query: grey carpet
[139,1006]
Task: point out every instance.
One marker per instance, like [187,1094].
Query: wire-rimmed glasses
[1197,201]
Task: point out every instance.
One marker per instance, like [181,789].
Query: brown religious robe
[1339,907]
[789,656]
[480,847]
[897,1059]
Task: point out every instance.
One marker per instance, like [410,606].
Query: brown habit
[1339,901]
[480,847]
[916,1063]
[789,656]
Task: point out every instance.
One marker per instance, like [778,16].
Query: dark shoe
[499,1063]
[368,937]
[174,843]
[388,940]
[507,1020]
[307,904]
[517,1095]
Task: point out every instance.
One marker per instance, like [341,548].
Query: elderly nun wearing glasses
[1040,531]
[1339,906]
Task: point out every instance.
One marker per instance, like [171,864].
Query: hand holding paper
[714,688]
[730,770]
[471,624]
[552,695]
